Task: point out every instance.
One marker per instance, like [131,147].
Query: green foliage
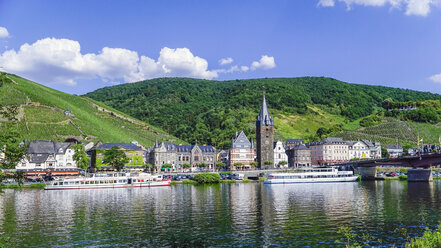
[147,167]
[268,162]
[430,239]
[384,152]
[186,165]
[283,162]
[10,145]
[370,121]
[210,111]
[19,177]
[203,165]
[220,165]
[228,181]
[115,158]
[254,163]
[204,178]
[46,119]
[352,239]
[80,156]
[238,164]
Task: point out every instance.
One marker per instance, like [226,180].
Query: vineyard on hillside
[390,130]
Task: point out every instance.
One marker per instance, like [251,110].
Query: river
[225,215]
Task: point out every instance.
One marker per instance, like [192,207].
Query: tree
[167,166]
[186,166]
[203,165]
[384,152]
[238,165]
[147,167]
[12,148]
[19,177]
[220,165]
[268,163]
[254,164]
[115,158]
[80,156]
[282,163]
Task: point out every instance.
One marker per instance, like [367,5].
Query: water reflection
[221,215]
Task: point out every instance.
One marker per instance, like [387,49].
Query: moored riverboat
[109,180]
[314,175]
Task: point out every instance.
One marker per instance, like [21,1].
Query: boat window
[56,183]
[61,183]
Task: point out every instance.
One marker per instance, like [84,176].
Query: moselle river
[226,215]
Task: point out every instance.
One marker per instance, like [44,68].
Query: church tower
[265,137]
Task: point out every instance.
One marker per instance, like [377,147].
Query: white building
[364,149]
[46,154]
[280,154]
[395,151]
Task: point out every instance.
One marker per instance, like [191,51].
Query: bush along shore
[23,186]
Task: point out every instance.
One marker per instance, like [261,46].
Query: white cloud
[265,63]
[53,60]
[412,7]
[436,78]
[244,68]
[226,61]
[4,32]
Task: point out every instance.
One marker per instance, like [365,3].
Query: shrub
[429,239]
[207,178]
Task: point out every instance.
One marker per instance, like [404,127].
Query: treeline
[212,111]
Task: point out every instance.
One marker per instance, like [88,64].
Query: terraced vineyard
[41,116]
[391,130]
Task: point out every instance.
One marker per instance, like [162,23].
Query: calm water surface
[227,215]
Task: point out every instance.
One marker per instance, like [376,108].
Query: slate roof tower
[264,137]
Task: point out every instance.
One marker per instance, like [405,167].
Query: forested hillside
[38,112]
[212,111]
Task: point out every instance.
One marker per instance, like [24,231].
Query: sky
[79,46]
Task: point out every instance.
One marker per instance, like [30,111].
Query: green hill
[211,111]
[41,116]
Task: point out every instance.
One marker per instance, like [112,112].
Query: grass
[306,124]
[24,186]
[88,123]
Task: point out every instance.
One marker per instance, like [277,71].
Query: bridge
[420,166]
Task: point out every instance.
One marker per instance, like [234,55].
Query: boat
[109,180]
[312,175]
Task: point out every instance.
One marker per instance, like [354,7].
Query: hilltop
[212,111]
[42,115]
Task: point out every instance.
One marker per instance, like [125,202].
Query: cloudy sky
[79,46]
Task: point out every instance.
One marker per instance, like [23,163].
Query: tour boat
[109,180]
[316,175]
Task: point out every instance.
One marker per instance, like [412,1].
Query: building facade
[329,151]
[299,156]
[364,149]
[47,154]
[178,155]
[395,150]
[265,137]
[280,155]
[241,152]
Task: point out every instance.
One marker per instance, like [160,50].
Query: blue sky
[80,46]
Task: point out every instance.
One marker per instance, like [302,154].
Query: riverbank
[23,186]
[193,182]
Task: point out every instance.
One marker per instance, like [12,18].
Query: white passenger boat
[316,175]
[109,180]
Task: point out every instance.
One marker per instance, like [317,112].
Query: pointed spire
[264,118]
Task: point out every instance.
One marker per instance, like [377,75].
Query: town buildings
[394,150]
[329,151]
[364,149]
[241,152]
[280,156]
[265,137]
[47,154]
[177,155]
[299,156]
